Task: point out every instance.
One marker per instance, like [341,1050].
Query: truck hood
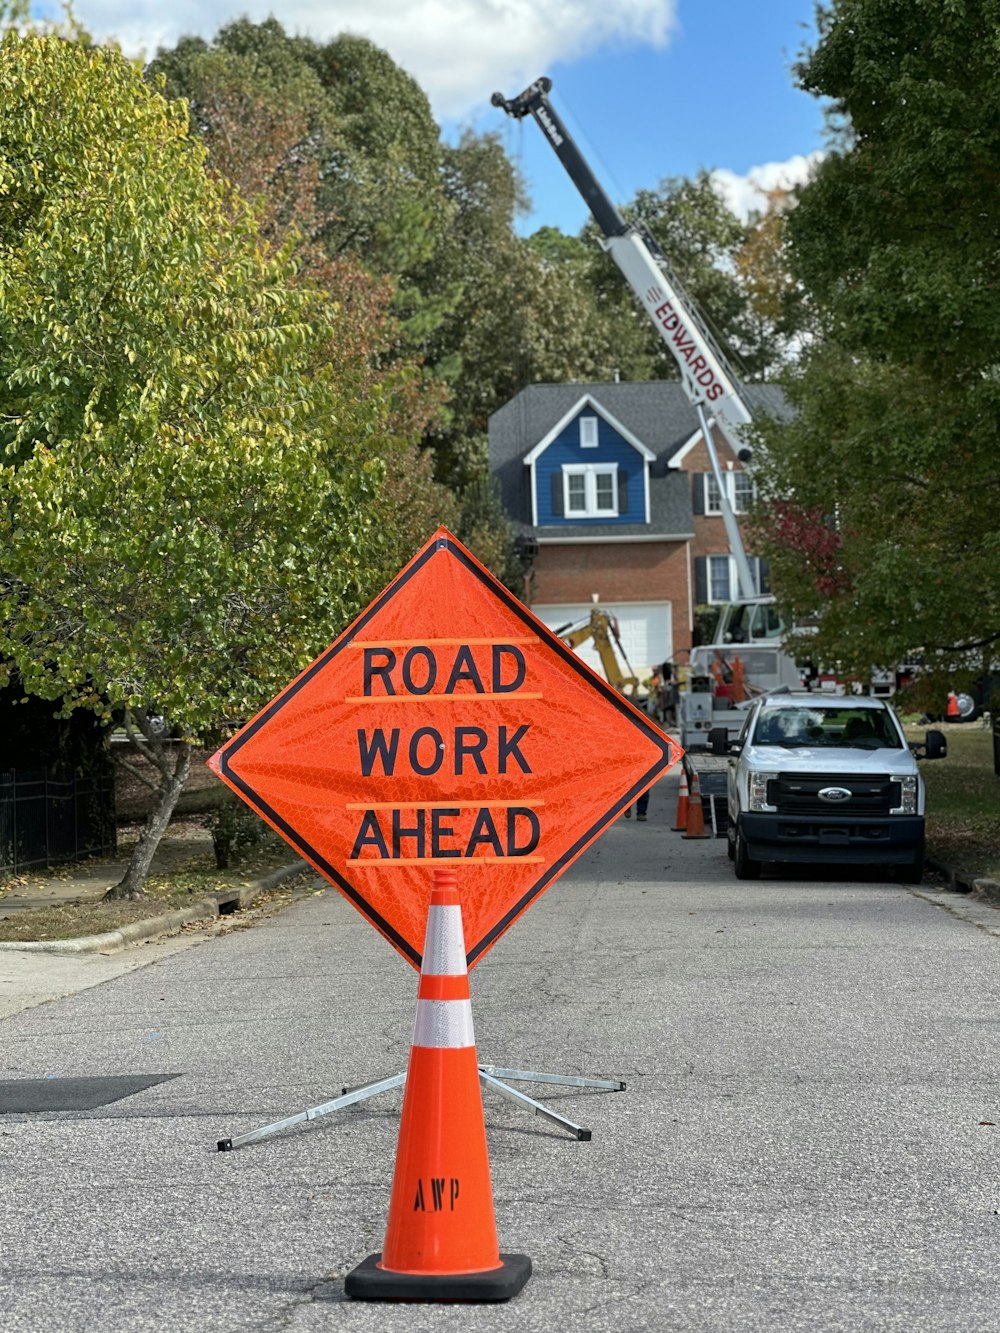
[826,759]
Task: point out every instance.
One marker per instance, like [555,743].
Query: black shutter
[700,580]
[557,494]
[698,492]
[622,491]
[763,575]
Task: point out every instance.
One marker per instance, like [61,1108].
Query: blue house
[610,487]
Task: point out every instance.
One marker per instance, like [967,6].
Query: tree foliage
[336,146]
[896,438]
[191,499]
[365,128]
[699,237]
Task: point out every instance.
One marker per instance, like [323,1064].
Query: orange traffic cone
[681,819]
[952,712]
[696,814]
[441,1238]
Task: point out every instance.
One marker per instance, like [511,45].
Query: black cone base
[370,1283]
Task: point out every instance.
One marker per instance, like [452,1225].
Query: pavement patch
[22,1096]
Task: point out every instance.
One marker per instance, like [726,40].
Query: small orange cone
[952,705]
[681,818]
[441,1238]
[696,814]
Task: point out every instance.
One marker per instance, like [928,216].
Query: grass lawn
[963,801]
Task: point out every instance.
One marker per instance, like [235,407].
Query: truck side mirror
[718,740]
[935,745]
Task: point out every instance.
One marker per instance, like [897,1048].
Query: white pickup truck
[821,779]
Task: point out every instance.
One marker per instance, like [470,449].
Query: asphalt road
[800,1146]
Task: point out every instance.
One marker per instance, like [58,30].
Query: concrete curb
[986,890]
[138,932]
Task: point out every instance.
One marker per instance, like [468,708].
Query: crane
[708,380]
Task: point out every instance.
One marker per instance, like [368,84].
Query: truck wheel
[731,844]
[968,709]
[912,874]
[746,867]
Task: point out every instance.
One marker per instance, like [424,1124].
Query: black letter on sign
[370,835]
[440,830]
[432,671]
[484,831]
[508,749]
[512,816]
[418,1202]
[373,668]
[437,756]
[498,651]
[376,748]
[464,669]
[471,742]
[399,832]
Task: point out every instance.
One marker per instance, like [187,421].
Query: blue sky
[648,88]
[719,95]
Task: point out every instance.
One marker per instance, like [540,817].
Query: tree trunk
[173,777]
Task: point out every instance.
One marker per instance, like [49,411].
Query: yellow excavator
[602,628]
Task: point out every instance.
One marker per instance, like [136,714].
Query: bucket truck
[724,673]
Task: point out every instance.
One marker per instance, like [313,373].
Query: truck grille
[798,794]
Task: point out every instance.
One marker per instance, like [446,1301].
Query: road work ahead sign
[446,724]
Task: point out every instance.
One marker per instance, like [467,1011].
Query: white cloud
[459,51]
[748,194]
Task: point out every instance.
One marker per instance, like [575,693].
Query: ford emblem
[834,794]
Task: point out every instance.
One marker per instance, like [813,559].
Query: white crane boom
[708,380]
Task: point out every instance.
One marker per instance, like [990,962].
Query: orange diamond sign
[446,725]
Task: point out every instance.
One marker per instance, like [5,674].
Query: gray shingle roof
[657,412]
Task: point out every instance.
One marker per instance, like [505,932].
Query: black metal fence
[47,818]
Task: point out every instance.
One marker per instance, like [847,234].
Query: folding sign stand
[491,1076]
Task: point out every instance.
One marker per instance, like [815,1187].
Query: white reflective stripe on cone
[444,944]
[443,1024]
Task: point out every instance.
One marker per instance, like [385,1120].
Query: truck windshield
[851,728]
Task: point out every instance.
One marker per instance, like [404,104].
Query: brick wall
[627,572]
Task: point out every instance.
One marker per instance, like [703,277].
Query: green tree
[258,149]
[523,317]
[191,493]
[368,130]
[777,311]
[884,486]
[700,238]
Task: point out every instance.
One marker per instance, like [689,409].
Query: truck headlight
[907,797]
[758,790]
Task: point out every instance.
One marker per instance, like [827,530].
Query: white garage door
[645,629]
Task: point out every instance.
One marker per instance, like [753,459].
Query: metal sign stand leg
[490,1076]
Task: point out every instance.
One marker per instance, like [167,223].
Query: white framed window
[721,581]
[743,492]
[588,432]
[590,490]
[720,578]
[739,490]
